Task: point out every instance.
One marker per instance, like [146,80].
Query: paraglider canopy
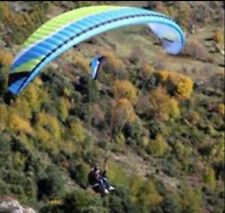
[71,28]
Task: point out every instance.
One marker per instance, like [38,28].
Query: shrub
[171,204]
[80,201]
[117,174]
[19,160]
[179,150]
[133,131]
[79,173]
[3,117]
[113,64]
[63,108]
[122,113]
[82,62]
[195,50]
[146,70]
[99,115]
[176,84]
[221,109]
[19,124]
[136,55]
[51,185]
[120,139]
[149,195]
[125,89]
[6,58]
[158,147]
[142,106]
[190,202]
[219,37]
[78,132]
[32,95]
[209,177]
[162,106]
[48,126]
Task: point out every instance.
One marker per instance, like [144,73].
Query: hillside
[158,118]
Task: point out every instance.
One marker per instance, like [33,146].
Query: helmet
[95,166]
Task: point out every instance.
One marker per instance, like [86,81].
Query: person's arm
[105,167]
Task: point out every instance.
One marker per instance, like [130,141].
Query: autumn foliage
[125,89]
[176,84]
[162,105]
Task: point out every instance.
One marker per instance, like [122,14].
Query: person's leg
[102,186]
[107,185]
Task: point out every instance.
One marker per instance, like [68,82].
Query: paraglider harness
[94,181]
[98,181]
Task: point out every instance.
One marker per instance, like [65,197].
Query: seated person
[98,178]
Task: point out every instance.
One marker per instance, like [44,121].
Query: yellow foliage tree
[122,113]
[23,108]
[125,89]
[116,174]
[113,63]
[6,58]
[45,139]
[120,139]
[162,106]
[50,124]
[219,37]
[19,159]
[191,200]
[82,62]
[149,195]
[32,95]
[19,124]
[78,131]
[136,184]
[184,88]
[147,70]
[158,147]
[3,116]
[64,106]
[178,84]
[221,109]
[209,177]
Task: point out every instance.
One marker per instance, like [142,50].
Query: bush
[149,196]
[79,173]
[63,108]
[51,185]
[125,89]
[82,62]
[221,109]
[162,106]
[6,58]
[81,202]
[19,124]
[209,177]
[3,117]
[122,113]
[113,64]
[176,84]
[219,37]
[78,132]
[195,50]
[49,126]
[158,147]
[190,202]
[133,131]
[170,204]
[99,116]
